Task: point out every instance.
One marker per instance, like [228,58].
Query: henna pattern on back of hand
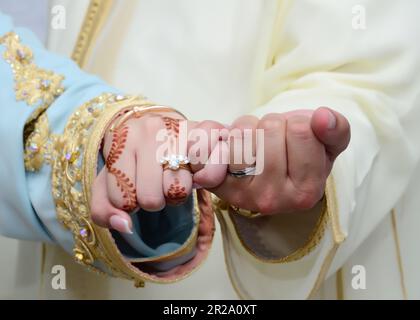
[119,139]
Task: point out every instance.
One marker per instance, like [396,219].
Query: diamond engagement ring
[175,162]
[248,171]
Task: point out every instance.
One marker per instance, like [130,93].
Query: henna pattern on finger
[127,188]
[119,139]
[176,193]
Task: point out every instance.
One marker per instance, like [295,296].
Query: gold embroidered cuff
[73,172]
[69,193]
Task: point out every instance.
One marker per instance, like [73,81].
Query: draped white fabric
[220,59]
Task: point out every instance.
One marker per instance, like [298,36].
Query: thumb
[332,129]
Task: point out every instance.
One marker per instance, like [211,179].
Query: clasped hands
[295,156]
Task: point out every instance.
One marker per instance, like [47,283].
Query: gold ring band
[184,166]
[137,111]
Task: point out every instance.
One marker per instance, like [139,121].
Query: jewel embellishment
[174,161]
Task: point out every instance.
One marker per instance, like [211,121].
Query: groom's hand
[299,150]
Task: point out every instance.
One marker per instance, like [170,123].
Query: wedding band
[248,171]
[175,162]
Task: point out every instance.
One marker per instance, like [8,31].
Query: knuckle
[245,122]
[210,124]
[267,202]
[99,215]
[271,122]
[209,180]
[300,129]
[116,201]
[305,200]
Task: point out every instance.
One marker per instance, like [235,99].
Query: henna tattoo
[176,193]
[127,188]
[119,139]
[172,126]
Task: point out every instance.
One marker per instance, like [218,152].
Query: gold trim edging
[69,193]
[310,244]
[95,17]
[398,253]
[38,88]
[338,234]
[339,284]
[104,247]
[331,218]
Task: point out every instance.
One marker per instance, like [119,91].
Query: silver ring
[248,171]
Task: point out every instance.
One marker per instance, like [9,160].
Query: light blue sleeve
[27,209]
[23,195]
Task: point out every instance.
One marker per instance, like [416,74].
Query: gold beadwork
[38,145]
[37,87]
[95,17]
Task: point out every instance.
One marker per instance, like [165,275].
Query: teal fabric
[157,233]
[26,205]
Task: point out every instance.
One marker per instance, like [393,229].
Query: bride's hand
[133,176]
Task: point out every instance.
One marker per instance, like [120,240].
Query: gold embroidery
[37,87]
[67,185]
[38,145]
[96,15]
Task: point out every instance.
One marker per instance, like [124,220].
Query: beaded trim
[38,88]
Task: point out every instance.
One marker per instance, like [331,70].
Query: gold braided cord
[95,17]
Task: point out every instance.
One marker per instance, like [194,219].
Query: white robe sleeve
[320,53]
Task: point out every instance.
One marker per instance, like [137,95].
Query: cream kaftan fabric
[220,59]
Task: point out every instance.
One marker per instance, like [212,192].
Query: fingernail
[332,121]
[196,186]
[120,224]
